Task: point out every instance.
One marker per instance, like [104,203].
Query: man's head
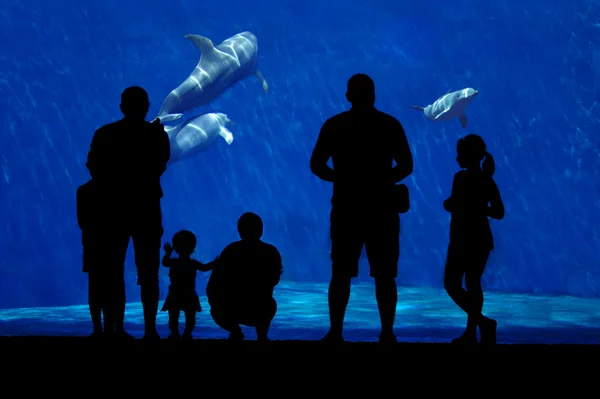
[135,103]
[361,91]
[250,227]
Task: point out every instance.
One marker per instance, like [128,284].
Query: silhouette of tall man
[363,144]
[126,160]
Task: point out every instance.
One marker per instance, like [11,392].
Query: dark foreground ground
[293,365]
[547,345]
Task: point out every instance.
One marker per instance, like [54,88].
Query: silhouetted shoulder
[271,252]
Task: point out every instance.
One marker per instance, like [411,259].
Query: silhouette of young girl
[475,197]
[182,291]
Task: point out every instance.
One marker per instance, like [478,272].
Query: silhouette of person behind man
[363,144]
[240,287]
[95,264]
[475,197]
[126,161]
[182,291]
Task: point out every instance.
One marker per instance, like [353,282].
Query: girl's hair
[185,241]
[474,147]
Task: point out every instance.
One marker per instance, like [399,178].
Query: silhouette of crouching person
[240,288]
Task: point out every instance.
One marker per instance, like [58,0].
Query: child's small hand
[168,248]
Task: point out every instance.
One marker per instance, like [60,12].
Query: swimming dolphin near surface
[197,134]
[450,106]
[218,69]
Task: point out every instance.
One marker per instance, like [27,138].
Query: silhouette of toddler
[182,294]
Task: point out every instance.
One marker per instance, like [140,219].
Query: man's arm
[94,158]
[164,148]
[277,267]
[321,153]
[401,154]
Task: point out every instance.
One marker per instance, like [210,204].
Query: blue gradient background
[64,64]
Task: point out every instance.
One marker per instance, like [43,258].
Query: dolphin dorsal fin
[203,44]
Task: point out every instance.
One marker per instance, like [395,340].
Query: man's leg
[226,322]
[95,303]
[265,317]
[113,282]
[146,244]
[346,246]
[383,252]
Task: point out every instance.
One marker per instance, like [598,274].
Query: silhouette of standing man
[363,143]
[126,160]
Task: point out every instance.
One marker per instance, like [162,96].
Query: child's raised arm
[205,267]
[496,208]
[166,260]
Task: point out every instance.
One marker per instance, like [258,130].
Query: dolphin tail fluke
[260,77]
[417,107]
[227,135]
[170,117]
[463,120]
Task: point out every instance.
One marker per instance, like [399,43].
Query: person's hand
[157,124]
[168,248]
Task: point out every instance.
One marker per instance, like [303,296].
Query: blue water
[64,64]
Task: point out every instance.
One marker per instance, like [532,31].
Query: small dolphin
[450,106]
[197,134]
[218,69]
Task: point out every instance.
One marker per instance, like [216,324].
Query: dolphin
[218,69]
[197,134]
[450,106]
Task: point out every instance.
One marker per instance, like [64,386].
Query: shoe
[123,335]
[488,332]
[464,340]
[174,336]
[387,338]
[97,334]
[331,338]
[237,336]
[187,336]
[151,336]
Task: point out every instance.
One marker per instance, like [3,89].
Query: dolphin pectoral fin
[260,77]
[170,117]
[227,135]
[417,107]
[463,120]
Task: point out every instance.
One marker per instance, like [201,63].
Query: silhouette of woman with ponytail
[475,198]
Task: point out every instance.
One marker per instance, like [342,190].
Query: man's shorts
[379,233]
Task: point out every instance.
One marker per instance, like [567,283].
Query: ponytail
[489,166]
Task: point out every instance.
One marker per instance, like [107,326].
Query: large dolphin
[218,69]
[197,134]
[450,106]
